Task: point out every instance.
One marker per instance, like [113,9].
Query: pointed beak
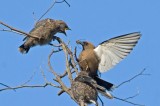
[68,28]
[79,42]
[64,32]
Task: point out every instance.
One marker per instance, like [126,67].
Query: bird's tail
[24,49]
[109,86]
[106,94]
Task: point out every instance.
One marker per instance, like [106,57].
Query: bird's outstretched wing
[112,51]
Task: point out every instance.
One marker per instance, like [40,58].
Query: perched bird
[43,33]
[106,55]
[85,89]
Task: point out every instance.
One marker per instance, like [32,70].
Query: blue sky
[92,21]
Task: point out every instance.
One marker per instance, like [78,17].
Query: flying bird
[45,31]
[106,55]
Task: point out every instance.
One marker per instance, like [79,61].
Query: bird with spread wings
[106,55]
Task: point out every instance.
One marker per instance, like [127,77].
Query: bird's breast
[88,61]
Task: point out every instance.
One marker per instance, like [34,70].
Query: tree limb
[12,29]
[69,52]
[63,87]
[135,104]
[29,86]
[55,1]
[139,74]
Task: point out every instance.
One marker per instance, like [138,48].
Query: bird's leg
[55,45]
[54,38]
[101,101]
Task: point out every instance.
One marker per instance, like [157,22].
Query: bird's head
[62,27]
[85,44]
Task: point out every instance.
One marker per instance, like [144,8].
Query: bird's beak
[79,42]
[64,32]
[67,28]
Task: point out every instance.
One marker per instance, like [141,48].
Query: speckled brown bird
[83,90]
[107,54]
[45,31]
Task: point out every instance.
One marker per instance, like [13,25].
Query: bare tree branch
[29,86]
[68,72]
[12,29]
[6,86]
[75,54]
[67,64]
[64,1]
[63,86]
[124,100]
[29,79]
[65,73]
[131,97]
[69,52]
[43,75]
[139,74]
[55,1]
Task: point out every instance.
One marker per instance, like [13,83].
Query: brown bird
[45,31]
[85,89]
[106,55]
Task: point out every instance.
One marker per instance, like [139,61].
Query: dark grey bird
[43,33]
[83,90]
[106,55]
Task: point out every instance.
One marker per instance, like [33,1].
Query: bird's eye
[85,43]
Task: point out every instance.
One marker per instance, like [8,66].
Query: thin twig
[55,1]
[69,52]
[131,97]
[29,79]
[34,18]
[47,10]
[6,86]
[43,75]
[141,73]
[101,100]
[63,86]
[29,86]
[75,54]
[16,30]
[60,92]
[6,30]
[67,65]
[65,73]
[129,102]
[64,1]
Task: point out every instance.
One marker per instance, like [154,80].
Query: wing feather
[112,51]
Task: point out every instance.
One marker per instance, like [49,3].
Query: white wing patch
[112,51]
